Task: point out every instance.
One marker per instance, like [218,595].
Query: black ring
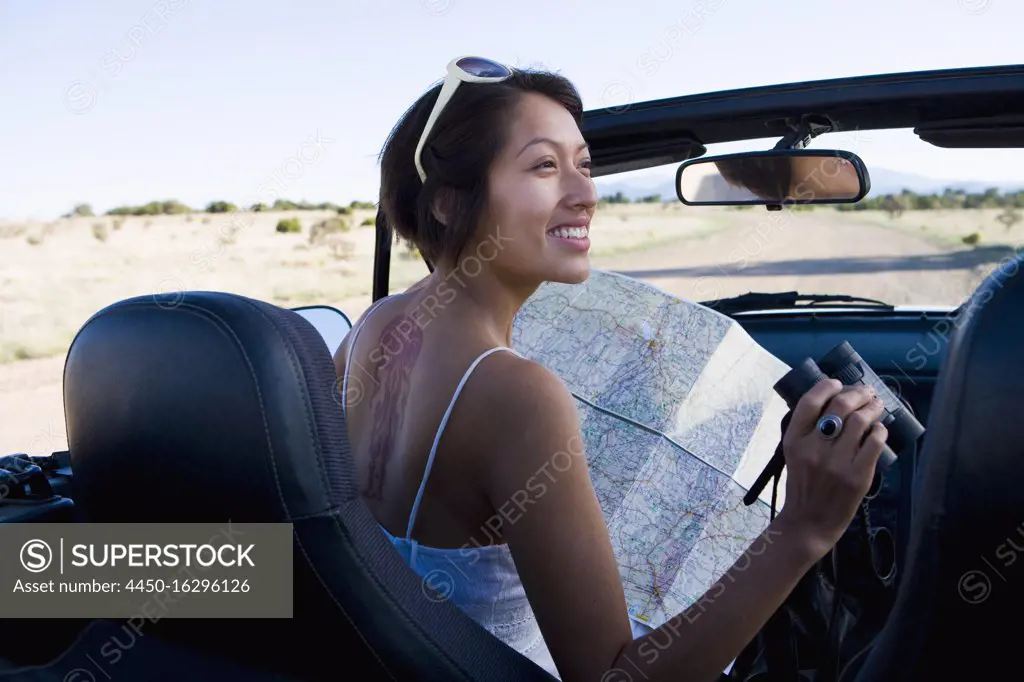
[830,426]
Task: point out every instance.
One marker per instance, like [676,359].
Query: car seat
[959,600]
[210,407]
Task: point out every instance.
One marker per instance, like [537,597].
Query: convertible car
[215,407]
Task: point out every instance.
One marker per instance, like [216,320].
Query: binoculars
[846,365]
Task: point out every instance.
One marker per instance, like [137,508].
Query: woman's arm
[535,475]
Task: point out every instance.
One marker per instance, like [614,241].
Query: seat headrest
[203,407]
[964,578]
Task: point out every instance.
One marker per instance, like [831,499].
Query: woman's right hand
[827,479]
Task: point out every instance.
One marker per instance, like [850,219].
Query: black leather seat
[961,597]
[209,407]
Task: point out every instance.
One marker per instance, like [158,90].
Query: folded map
[678,416]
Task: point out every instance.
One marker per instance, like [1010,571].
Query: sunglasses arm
[447,90]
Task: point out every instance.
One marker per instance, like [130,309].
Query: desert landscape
[54,275]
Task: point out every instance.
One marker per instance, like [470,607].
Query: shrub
[368,222]
[286,225]
[167,207]
[341,248]
[173,207]
[972,238]
[287,205]
[617,198]
[322,229]
[1009,217]
[81,210]
[221,207]
[99,230]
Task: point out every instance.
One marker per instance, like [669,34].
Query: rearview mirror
[782,176]
[332,324]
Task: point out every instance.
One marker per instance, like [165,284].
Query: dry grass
[951,227]
[55,275]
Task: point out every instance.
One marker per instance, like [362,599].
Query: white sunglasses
[460,70]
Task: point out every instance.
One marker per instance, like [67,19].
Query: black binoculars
[846,365]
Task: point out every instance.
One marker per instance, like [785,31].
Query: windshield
[934,224]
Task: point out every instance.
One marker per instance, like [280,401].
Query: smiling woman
[488,176]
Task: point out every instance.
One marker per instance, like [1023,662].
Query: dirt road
[817,252]
[812,252]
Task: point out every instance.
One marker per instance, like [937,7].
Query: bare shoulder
[520,418]
[341,354]
[514,392]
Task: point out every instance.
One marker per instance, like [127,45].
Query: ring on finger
[830,426]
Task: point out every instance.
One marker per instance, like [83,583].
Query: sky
[128,101]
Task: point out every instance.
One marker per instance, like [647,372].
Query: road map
[678,416]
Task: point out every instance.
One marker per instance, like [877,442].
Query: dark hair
[767,177]
[463,144]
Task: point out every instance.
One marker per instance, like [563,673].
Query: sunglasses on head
[460,70]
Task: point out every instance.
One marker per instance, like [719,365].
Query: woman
[449,426]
